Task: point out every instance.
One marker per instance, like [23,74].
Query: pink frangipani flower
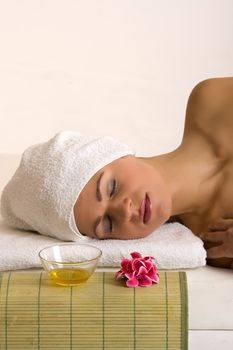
[138,271]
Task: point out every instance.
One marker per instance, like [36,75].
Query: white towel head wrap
[42,193]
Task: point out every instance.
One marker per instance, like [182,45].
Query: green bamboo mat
[99,314]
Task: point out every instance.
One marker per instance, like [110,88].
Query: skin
[192,183]
[134,178]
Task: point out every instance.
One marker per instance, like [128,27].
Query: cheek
[145,232]
[163,210]
[132,231]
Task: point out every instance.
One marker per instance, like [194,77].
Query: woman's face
[124,200]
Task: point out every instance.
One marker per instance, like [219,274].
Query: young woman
[75,185]
[132,196]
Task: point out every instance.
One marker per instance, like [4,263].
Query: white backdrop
[118,67]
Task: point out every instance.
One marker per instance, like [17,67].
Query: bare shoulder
[211,95]
[210,107]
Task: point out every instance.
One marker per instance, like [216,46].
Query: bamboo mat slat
[99,314]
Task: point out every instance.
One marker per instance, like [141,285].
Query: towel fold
[173,245]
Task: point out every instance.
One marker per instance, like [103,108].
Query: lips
[145,209]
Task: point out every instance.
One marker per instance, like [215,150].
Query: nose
[123,209]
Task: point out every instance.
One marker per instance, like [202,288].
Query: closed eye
[112,187]
[107,224]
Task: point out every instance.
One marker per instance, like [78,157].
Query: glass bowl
[70,263]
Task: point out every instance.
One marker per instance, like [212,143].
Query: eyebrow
[99,198]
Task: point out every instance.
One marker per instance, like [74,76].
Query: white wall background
[118,67]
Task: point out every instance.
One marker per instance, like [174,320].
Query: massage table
[209,307]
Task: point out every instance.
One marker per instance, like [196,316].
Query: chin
[165,212]
[157,225]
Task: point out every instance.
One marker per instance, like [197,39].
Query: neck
[190,180]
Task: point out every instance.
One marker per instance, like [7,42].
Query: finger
[215,236]
[222,225]
[215,252]
[228,216]
[218,227]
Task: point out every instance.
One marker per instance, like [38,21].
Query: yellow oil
[69,276]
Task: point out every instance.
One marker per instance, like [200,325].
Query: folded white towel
[173,245]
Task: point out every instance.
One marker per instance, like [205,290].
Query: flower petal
[142,271]
[119,274]
[153,276]
[137,263]
[136,255]
[145,281]
[156,278]
[130,275]
[150,258]
[132,283]
[126,265]
[149,264]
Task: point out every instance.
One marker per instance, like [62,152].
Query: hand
[221,233]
